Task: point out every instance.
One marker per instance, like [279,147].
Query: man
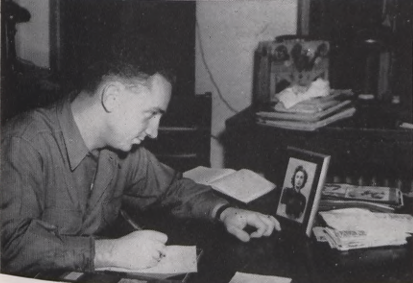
[293,199]
[67,168]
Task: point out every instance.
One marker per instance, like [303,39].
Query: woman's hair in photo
[299,168]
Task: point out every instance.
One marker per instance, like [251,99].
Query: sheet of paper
[4,278]
[177,260]
[240,277]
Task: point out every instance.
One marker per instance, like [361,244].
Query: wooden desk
[368,148]
[297,257]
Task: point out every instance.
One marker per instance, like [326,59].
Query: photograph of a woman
[292,197]
[297,185]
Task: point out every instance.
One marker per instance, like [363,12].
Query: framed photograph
[301,188]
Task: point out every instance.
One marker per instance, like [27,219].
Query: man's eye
[151,115]
[154,114]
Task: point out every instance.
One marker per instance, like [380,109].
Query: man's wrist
[103,253]
[220,210]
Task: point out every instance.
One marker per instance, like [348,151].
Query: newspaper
[354,228]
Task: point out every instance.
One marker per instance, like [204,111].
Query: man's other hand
[137,250]
[236,220]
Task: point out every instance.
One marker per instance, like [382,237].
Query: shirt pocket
[68,221]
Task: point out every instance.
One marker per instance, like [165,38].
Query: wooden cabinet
[366,149]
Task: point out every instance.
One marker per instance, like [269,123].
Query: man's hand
[235,220]
[137,250]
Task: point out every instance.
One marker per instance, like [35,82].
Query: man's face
[138,114]
[299,179]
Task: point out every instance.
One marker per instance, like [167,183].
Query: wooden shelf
[368,148]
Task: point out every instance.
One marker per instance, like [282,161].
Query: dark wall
[92,30]
[86,31]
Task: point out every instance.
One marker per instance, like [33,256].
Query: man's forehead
[159,92]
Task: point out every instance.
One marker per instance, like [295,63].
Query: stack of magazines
[377,199]
[310,114]
[356,228]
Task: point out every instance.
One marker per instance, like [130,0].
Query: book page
[244,185]
[177,260]
[204,175]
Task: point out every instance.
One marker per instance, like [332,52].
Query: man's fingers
[261,226]
[158,236]
[154,261]
[162,251]
[277,224]
[265,225]
[239,233]
[269,221]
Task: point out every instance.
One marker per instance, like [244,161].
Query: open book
[243,185]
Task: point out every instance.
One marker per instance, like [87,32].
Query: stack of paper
[354,228]
[310,114]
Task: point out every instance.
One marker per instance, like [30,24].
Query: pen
[130,220]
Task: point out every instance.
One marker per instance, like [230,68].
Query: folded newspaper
[355,228]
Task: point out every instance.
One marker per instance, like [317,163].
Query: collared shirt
[56,195]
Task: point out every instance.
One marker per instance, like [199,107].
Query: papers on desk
[240,277]
[178,260]
[243,185]
[16,279]
[355,228]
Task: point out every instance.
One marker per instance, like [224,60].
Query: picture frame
[301,189]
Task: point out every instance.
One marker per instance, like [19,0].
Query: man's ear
[110,94]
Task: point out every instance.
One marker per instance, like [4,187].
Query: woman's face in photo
[299,179]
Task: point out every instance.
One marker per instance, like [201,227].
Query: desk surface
[300,258]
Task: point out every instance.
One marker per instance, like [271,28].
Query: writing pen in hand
[130,221]
[135,226]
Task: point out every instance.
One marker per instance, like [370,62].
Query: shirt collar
[75,145]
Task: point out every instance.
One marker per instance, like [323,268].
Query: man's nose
[152,130]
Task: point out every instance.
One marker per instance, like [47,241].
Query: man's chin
[135,146]
[125,149]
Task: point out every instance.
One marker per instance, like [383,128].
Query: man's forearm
[37,246]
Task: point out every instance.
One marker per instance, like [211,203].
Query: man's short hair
[137,59]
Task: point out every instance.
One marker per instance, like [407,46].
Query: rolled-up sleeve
[30,245]
[157,183]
